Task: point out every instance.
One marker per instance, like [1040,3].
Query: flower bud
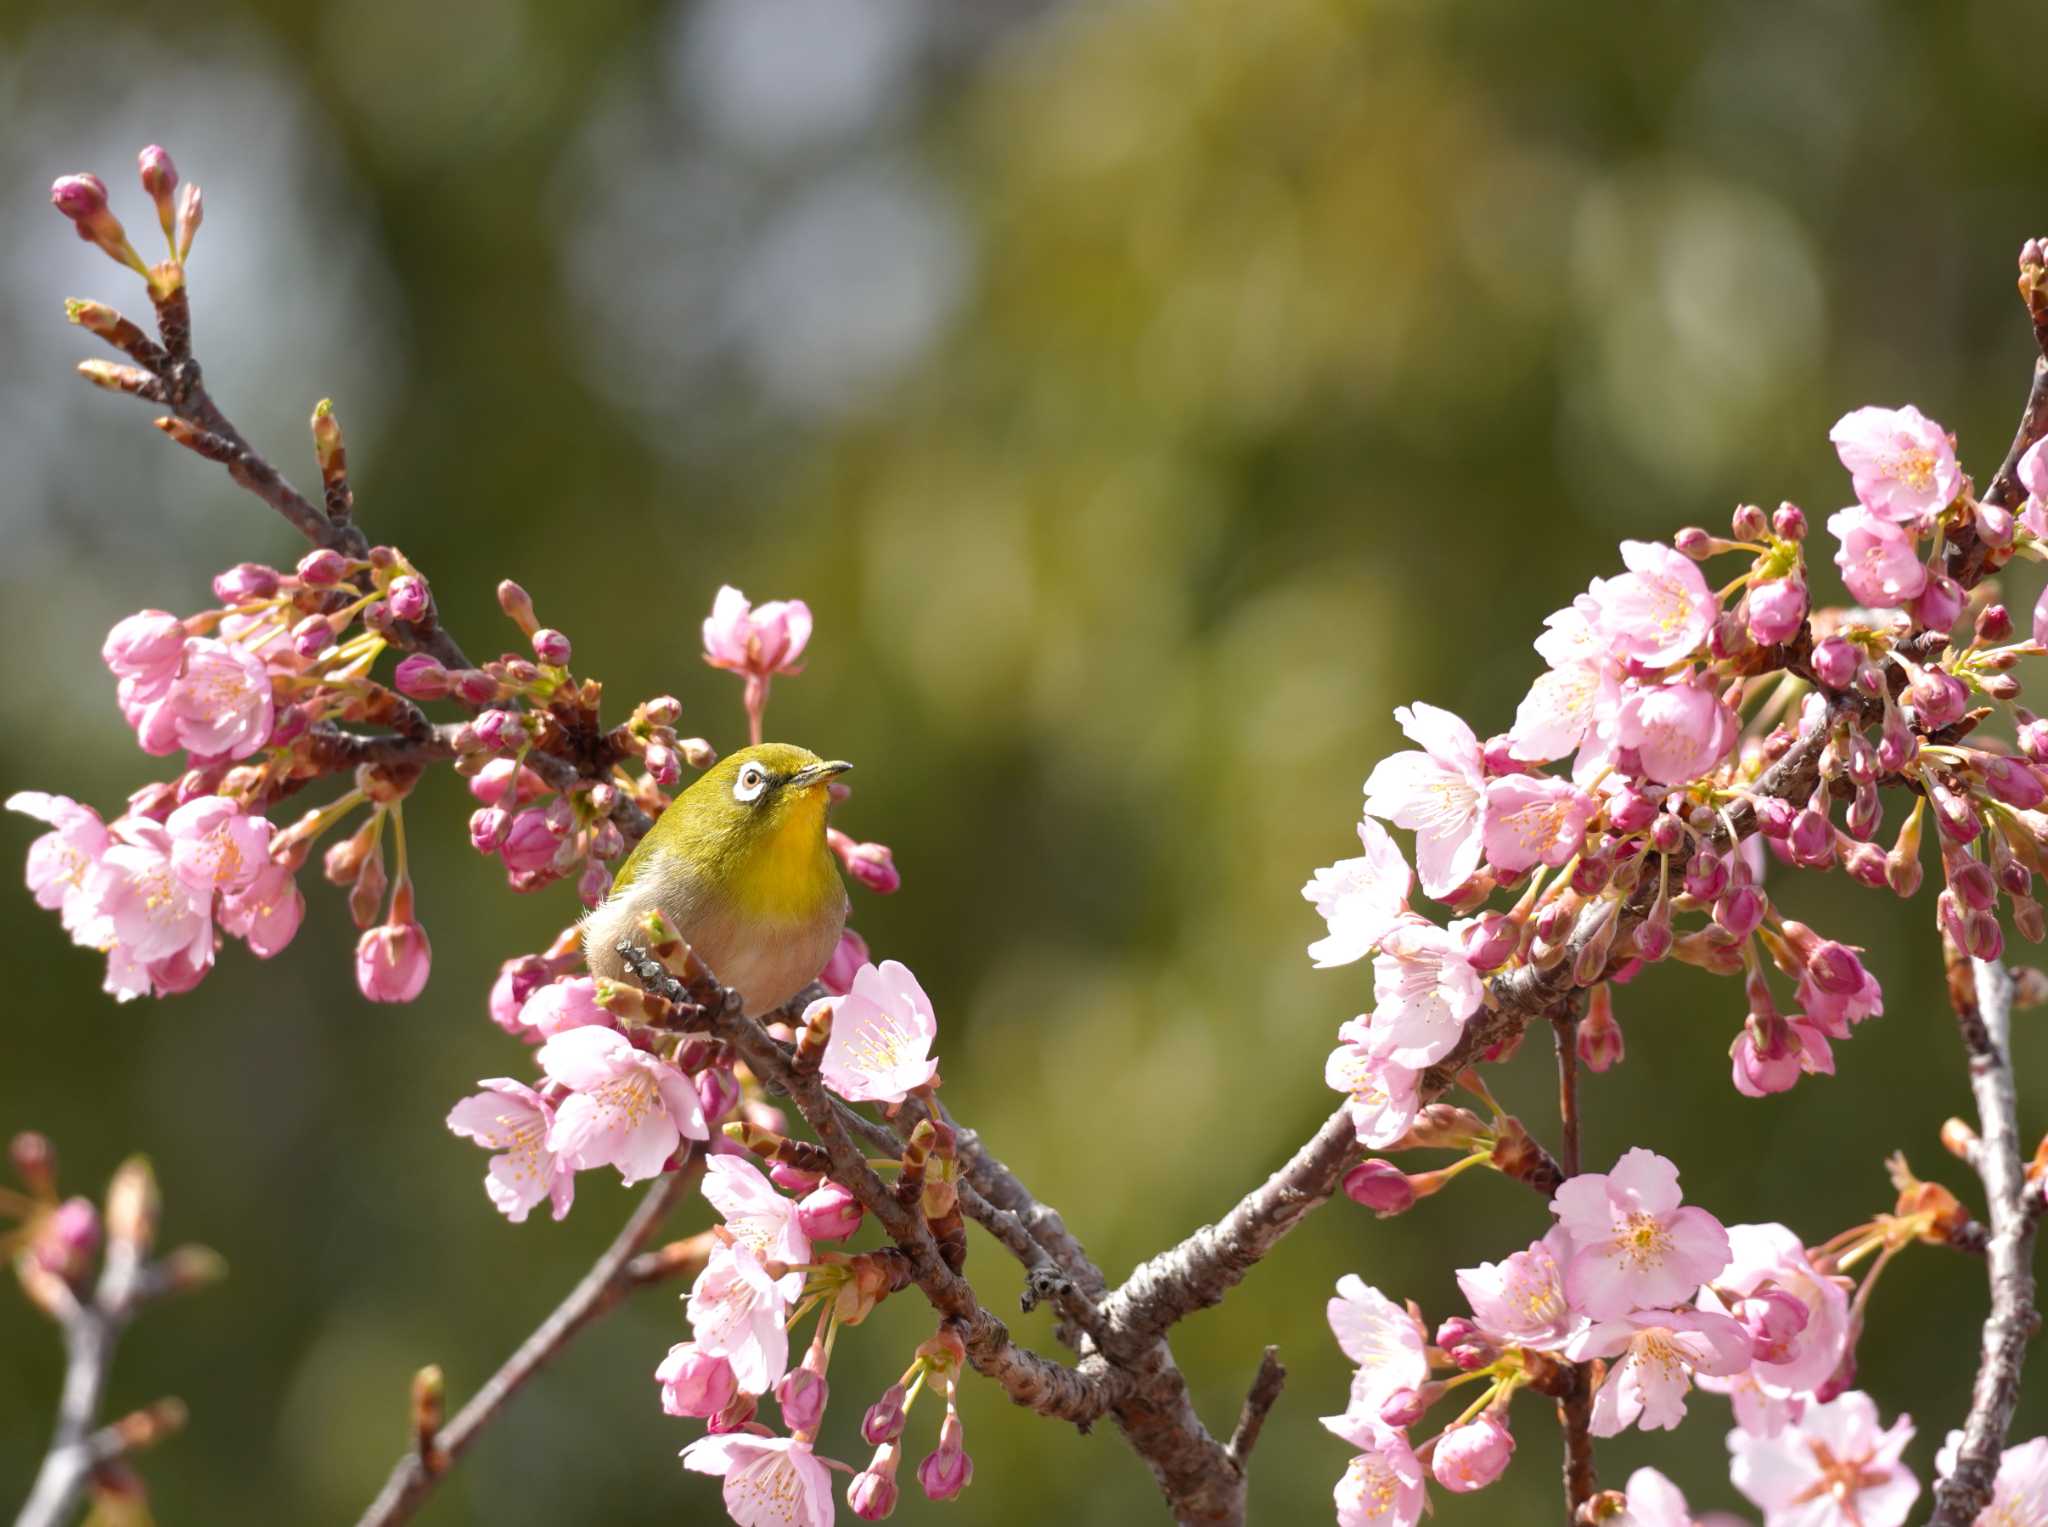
[793,1179]
[1994,624]
[1765,1055]
[421,677]
[518,606]
[1599,1035]
[246,581]
[946,1471]
[551,647]
[802,1393]
[718,1092]
[1490,939]
[392,962]
[473,686]
[1953,812]
[1404,1407]
[1774,1319]
[1982,936]
[872,1493]
[736,1415]
[1630,809]
[830,1213]
[1739,910]
[65,1239]
[1468,1347]
[1835,662]
[2011,781]
[322,569]
[1939,604]
[1472,1456]
[1788,522]
[1776,610]
[409,597]
[2028,919]
[1748,523]
[1379,1186]
[884,1419]
[662,764]
[1811,841]
[694,1383]
[1694,542]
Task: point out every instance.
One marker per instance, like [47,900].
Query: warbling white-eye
[738,862]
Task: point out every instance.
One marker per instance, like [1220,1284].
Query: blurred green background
[1147,398]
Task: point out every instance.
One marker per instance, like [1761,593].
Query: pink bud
[518,979]
[593,884]
[718,1091]
[793,1179]
[1953,813]
[409,597]
[421,677]
[1774,1318]
[1404,1407]
[1667,834]
[1490,939]
[1748,523]
[1468,1347]
[1774,817]
[1631,810]
[694,1383]
[65,1239]
[830,1213]
[1865,814]
[1694,542]
[1593,871]
[487,828]
[1472,1456]
[392,961]
[245,581]
[1789,522]
[1867,864]
[884,1420]
[662,764]
[1995,526]
[1765,1055]
[847,959]
[1599,1038]
[2011,782]
[1740,910]
[1776,610]
[312,636]
[1937,606]
[1379,1186]
[946,1471]
[322,569]
[1835,662]
[551,647]
[1812,839]
[473,686]
[802,1393]
[79,196]
[872,1493]
[146,646]
[159,180]
[1706,874]
[737,1415]
[1982,936]
[872,864]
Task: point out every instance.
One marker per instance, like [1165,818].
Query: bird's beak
[817,773]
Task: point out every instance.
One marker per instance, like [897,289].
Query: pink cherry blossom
[737,1312]
[1678,731]
[1532,819]
[1835,1468]
[1519,1301]
[756,640]
[1657,612]
[693,1382]
[1382,1095]
[1472,1456]
[149,912]
[1659,1351]
[2033,476]
[512,1119]
[145,647]
[1776,608]
[1425,988]
[266,913]
[1576,697]
[393,960]
[848,956]
[627,1108]
[1901,461]
[1633,1247]
[1383,1339]
[1771,1257]
[882,1033]
[1878,560]
[769,1481]
[563,1005]
[1834,1012]
[214,847]
[1437,792]
[220,702]
[1382,1486]
[61,860]
[1651,1500]
[760,1218]
[2019,1495]
[1359,898]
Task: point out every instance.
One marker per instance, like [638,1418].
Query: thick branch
[610,1278]
[1981,992]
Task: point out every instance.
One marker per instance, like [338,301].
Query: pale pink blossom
[1437,792]
[693,1382]
[512,1119]
[769,1481]
[563,1005]
[1678,731]
[60,861]
[737,1312]
[2033,475]
[626,1108]
[1834,1012]
[1359,898]
[1835,1468]
[1657,612]
[1519,1301]
[1381,1095]
[1659,1352]
[756,640]
[215,846]
[2019,1495]
[760,1218]
[220,702]
[266,913]
[1472,1456]
[145,647]
[1879,561]
[1532,819]
[1651,1500]
[1633,1246]
[848,955]
[882,1033]
[1385,1341]
[142,905]
[1902,463]
[1578,694]
[1425,988]
[1770,1257]
[1382,1486]
[393,960]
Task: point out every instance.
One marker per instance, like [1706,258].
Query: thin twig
[1981,992]
[610,1278]
[1575,1404]
[1258,1403]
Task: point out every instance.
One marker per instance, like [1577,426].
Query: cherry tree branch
[617,1272]
[1575,1403]
[1981,992]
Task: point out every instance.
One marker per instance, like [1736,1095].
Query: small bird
[739,864]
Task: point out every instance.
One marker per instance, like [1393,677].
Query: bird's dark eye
[753,779]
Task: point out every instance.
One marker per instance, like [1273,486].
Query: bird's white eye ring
[751,782]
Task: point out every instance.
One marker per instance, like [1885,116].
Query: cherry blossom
[1678,731]
[1578,694]
[220,701]
[1383,1339]
[563,1005]
[266,913]
[60,861]
[757,640]
[1659,610]
[393,960]
[1633,1247]
[1651,1500]
[512,1119]
[1770,1257]
[693,1382]
[1532,819]
[2033,476]
[769,1481]
[1472,1456]
[1902,463]
[214,847]
[626,1108]
[1519,1301]
[1381,1094]
[882,1032]
[1359,898]
[737,1311]
[760,1218]
[1383,1486]
[1438,792]
[1834,1468]
[142,908]
[1425,988]
[1659,1352]
[1878,560]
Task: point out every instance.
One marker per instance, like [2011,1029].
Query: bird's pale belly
[766,964]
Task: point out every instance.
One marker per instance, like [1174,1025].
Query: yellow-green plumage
[740,865]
